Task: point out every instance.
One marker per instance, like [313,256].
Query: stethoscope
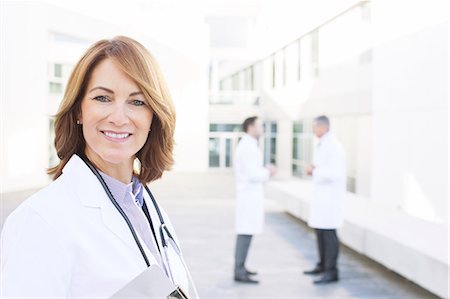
[163,229]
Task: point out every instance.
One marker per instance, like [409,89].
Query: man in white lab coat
[326,208]
[250,175]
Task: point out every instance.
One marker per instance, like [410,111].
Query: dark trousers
[240,254]
[328,245]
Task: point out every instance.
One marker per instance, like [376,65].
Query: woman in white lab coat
[69,240]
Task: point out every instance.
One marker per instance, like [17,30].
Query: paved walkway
[202,209]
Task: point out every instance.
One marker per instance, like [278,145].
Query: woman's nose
[118,114]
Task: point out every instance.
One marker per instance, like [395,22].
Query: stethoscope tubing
[163,228]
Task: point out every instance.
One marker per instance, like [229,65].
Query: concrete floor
[201,208]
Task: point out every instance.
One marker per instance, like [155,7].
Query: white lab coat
[250,176]
[329,184]
[69,241]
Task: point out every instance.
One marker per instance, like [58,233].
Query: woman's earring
[78,122]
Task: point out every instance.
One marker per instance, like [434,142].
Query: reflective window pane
[214,152]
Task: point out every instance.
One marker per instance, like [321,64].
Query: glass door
[221,150]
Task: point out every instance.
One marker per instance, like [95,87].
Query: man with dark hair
[326,208]
[250,176]
[248,122]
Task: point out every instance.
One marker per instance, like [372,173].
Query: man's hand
[272,168]
[309,169]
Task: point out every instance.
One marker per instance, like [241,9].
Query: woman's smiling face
[115,115]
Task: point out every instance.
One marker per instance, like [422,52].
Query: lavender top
[120,191]
[130,198]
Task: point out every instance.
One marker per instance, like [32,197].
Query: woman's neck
[122,171]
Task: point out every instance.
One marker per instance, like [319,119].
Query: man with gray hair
[328,172]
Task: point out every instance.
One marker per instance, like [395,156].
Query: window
[210,76]
[242,79]
[53,157]
[365,11]
[57,71]
[223,139]
[55,87]
[252,77]
[284,66]
[225,128]
[315,52]
[226,83]
[299,60]
[57,76]
[248,77]
[270,142]
[228,154]
[351,184]
[235,82]
[273,72]
[214,152]
[302,147]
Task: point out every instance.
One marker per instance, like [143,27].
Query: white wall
[410,109]
[23,97]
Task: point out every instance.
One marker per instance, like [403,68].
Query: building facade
[381,75]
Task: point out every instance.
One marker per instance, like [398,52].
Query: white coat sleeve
[332,168]
[34,263]
[254,171]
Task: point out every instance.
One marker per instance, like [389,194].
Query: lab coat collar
[250,138]
[324,137]
[85,183]
[91,194]
[121,190]
[117,188]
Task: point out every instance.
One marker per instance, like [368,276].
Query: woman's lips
[116,136]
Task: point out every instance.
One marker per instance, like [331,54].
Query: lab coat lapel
[91,194]
[116,224]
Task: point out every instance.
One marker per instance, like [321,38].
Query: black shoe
[327,277]
[250,272]
[245,279]
[316,270]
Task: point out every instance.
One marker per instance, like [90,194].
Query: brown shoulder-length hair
[134,59]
